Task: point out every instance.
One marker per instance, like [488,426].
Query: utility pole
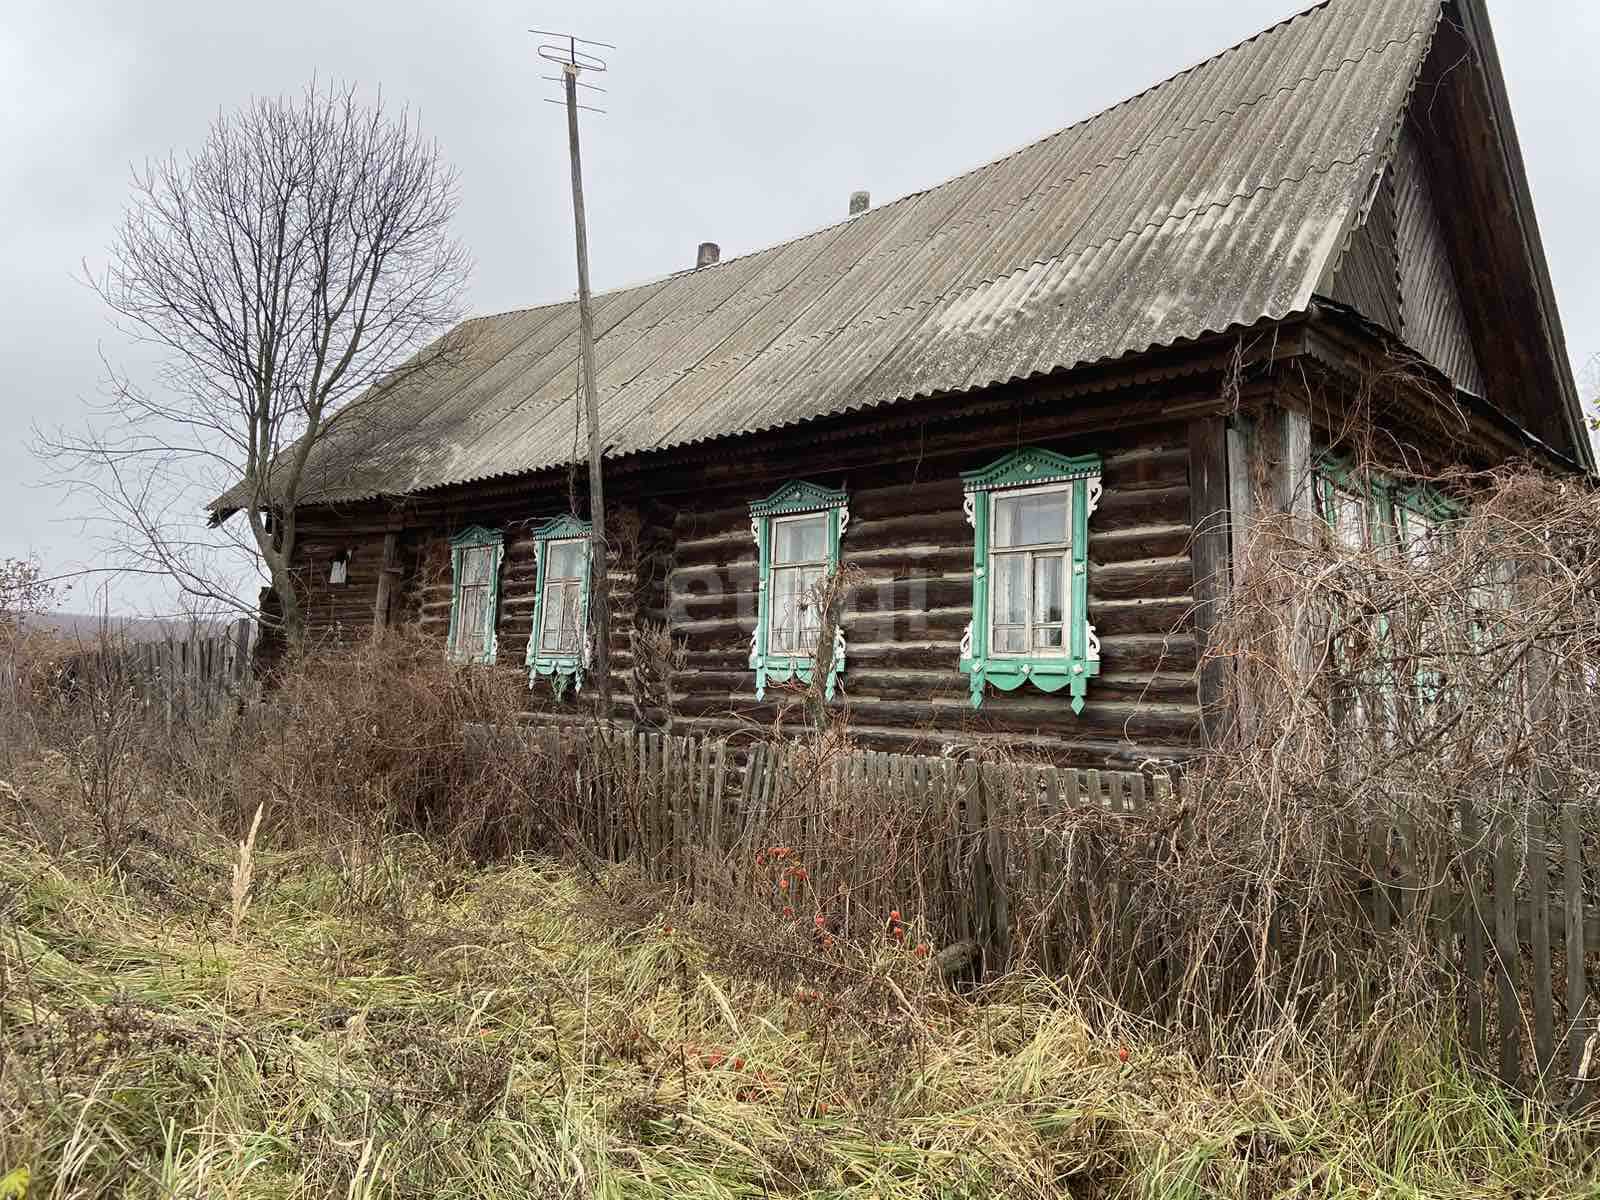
[573,61]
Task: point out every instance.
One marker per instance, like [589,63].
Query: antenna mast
[564,53]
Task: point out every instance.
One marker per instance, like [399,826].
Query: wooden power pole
[573,61]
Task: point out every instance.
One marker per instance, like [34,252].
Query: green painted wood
[1033,467]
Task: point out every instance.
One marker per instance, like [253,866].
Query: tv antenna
[576,55]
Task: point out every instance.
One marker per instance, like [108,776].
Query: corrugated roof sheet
[1213,200]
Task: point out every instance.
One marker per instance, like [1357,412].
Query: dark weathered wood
[1508,956]
[1473,918]
[1544,1035]
[389,572]
[1208,517]
[971,793]
[1572,883]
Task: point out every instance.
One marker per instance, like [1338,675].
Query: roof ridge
[1056,184]
[926,301]
[1014,152]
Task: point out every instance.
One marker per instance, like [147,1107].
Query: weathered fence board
[1021,862]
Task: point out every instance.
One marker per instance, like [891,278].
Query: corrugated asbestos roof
[1213,200]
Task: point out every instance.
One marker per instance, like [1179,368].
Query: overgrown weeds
[527,1034]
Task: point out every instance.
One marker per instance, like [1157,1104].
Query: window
[339,570]
[475,556]
[1407,525]
[558,647]
[797,531]
[1030,574]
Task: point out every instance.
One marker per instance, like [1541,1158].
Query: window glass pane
[810,612]
[1047,637]
[786,588]
[1349,519]
[1049,598]
[571,617]
[1010,639]
[801,540]
[1030,520]
[550,618]
[1009,602]
[564,560]
[1419,535]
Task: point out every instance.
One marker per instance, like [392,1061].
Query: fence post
[1508,953]
[1572,881]
[1473,916]
[1544,1033]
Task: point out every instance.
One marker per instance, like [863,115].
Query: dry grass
[513,1031]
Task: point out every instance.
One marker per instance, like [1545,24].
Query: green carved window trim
[475,538]
[796,498]
[1390,507]
[561,668]
[1032,470]
[1388,503]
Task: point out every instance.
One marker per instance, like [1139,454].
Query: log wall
[910,547]
[683,561]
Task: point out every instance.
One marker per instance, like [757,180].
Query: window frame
[561,667]
[794,500]
[473,539]
[1033,471]
[1387,506]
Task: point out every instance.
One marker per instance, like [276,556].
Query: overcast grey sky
[737,123]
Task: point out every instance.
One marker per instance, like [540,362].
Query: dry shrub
[1374,697]
[370,739]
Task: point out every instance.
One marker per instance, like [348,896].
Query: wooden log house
[1026,409]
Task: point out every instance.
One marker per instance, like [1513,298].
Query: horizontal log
[905,499]
[1113,617]
[1142,506]
[939,527]
[1021,712]
[712,578]
[1139,542]
[1014,712]
[915,625]
[1153,578]
[723,552]
[736,604]
[909,595]
[1147,467]
[906,561]
[1065,752]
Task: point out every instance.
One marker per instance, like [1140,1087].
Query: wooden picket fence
[183,679]
[994,857]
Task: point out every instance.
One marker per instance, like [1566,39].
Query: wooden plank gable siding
[1368,279]
[1434,320]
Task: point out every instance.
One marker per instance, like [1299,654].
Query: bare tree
[288,274]
[24,591]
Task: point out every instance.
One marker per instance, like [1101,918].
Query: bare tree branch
[293,270]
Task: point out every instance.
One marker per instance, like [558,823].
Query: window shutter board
[787,661]
[476,554]
[562,665]
[1042,472]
